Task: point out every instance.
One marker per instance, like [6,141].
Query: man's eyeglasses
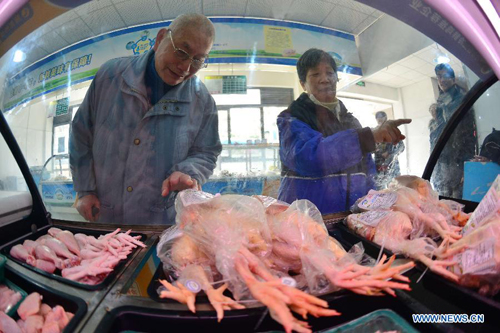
[183,55]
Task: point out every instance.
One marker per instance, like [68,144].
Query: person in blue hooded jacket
[324,150]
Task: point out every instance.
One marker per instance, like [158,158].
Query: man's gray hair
[198,21]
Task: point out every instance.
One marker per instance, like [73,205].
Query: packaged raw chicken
[489,206]
[426,219]
[260,248]
[393,230]
[477,254]
[451,210]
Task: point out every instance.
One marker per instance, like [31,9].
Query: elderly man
[146,129]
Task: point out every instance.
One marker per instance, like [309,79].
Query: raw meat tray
[433,290]
[52,297]
[95,233]
[136,319]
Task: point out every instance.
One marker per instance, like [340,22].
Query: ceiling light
[19,56]
[252,67]
[441,57]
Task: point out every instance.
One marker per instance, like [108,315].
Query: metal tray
[52,297]
[96,233]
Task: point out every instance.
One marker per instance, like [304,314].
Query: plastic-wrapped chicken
[301,244]
[194,271]
[477,254]
[231,231]
[489,205]
[392,230]
[477,257]
[451,210]
[408,201]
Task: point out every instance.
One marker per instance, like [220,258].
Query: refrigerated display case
[125,301]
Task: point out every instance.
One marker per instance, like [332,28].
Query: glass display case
[394,59]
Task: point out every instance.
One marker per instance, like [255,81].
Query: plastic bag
[391,230]
[420,185]
[408,201]
[489,205]
[452,211]
[221,226]
[300,226]
[478,266]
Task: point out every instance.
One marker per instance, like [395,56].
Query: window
[470,160]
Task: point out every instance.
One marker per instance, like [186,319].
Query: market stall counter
[132,308]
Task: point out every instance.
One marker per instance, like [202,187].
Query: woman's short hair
[380,114]
[310,59]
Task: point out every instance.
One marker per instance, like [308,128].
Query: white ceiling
[102,16]
[414,68]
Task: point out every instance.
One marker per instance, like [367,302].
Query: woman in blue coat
[325,153]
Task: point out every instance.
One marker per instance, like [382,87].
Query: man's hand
[88,204]
[389,132]
[178,181]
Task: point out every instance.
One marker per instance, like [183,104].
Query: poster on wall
[238,40]
[278,42]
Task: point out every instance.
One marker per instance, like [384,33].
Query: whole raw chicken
[431,203]
[301,244]
[408,201]
[477,257]
[392,230]
[229,237]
